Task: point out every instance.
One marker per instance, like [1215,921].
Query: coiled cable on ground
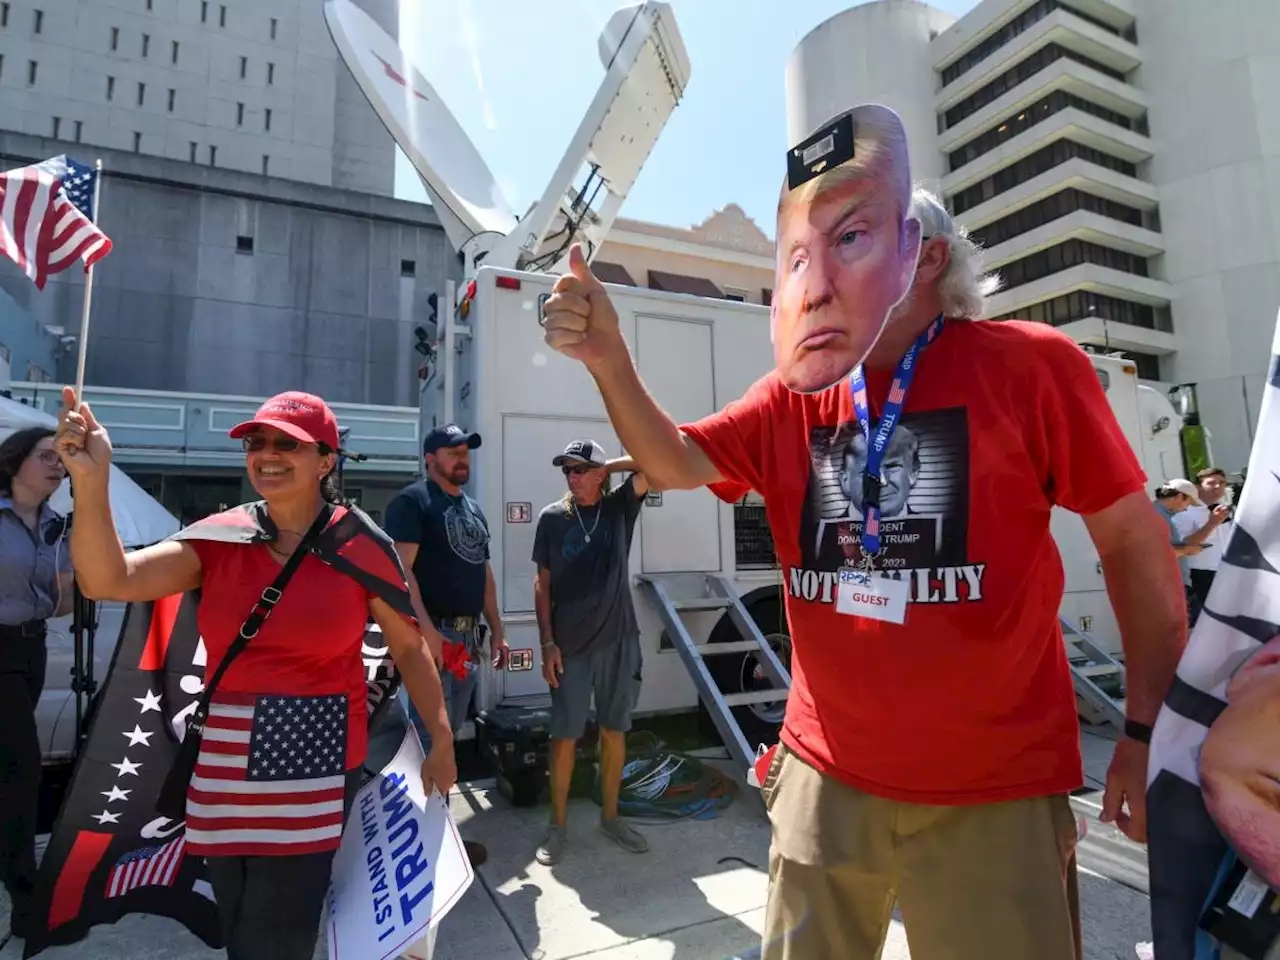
[660,785]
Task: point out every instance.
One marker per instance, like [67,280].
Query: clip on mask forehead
[823,151]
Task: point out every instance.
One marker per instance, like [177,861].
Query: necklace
[586,534]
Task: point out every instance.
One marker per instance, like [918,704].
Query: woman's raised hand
[81,441]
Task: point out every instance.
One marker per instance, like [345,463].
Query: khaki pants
[987,882]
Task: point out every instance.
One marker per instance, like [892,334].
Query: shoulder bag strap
[263,607]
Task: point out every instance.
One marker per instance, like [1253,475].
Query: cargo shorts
[994,881]
[612,673]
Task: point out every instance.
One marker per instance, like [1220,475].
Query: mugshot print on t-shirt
[924,501]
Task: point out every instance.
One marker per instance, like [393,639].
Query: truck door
[674,356]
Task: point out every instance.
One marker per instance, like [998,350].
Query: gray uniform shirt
[591,604]
[30,564]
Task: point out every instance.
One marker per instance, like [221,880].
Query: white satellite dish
[646,71]
[462,190]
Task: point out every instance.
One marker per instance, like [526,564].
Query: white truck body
[695,355]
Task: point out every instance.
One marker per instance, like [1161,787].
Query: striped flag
[271,772]
[148,867]
[897,393]
[42,229]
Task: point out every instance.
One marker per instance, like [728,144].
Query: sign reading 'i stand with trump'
[401,866]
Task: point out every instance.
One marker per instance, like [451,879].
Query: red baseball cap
[303,416]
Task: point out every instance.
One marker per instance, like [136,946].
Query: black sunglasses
[577,470]
[257,442]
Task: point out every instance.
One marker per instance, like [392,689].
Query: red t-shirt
[971,700]
[309,646]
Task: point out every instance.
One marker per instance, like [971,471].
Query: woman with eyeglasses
[287,730]
[35,584]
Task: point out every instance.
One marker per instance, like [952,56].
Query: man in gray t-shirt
[590,641]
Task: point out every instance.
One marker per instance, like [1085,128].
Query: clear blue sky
[519,79]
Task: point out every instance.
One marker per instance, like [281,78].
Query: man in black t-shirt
[443,538]
[590,640]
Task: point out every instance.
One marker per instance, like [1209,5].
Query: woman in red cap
[286,729]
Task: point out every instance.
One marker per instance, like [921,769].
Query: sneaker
[552,847]
[476,852]
[628,838]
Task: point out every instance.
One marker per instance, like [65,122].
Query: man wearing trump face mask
[931,738]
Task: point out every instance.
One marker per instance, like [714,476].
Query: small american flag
[896,393]
[271,772]
[871,525]
[44,228]
[147,867]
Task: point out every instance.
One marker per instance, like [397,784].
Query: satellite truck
[708,589]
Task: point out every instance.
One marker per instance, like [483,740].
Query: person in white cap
[590,639]
[1213,518]
[1172,499]
[931,739]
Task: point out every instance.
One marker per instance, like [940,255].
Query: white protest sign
[401,866]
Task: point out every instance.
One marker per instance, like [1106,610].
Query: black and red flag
[110,853]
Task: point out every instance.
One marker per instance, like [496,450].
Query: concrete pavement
[698,894]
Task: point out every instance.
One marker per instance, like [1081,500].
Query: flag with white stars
[46,218]
[108,818]
[271,772]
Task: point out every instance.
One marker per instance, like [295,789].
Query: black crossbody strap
[261,611]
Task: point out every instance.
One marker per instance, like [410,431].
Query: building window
[39,21]
[79,129]
[274,24]
[4,14]
[266,119]
[1024,69]
[204,11]
[271,74]
[36,374]
[1046,158]
[408,268]
[244,67]
[732,293]
[1084,303]
[213,155]
[1064,256]
[146,44]
[142,94]
[111,88]
[57,127]
[1018,25]
[266,165]
[1051,208]
[115,38]
[137,142]
[222,16]
[193,151]
[766,296]
[244,244]
[148,4]
[239,114]
[33,71]
[173,96]
[173,52]
[1027,118]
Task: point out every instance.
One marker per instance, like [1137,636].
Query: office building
[1118,159]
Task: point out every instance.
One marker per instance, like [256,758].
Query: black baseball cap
[450,435]
[586,451]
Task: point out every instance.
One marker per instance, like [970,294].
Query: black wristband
[1137,731]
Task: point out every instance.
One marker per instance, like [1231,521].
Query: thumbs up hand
[578,318]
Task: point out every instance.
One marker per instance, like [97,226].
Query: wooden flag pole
[88,295]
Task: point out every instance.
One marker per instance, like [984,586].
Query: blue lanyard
[877,445]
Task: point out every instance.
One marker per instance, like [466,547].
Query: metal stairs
[671,597]
[1094,672]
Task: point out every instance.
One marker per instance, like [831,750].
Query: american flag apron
[271,776]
